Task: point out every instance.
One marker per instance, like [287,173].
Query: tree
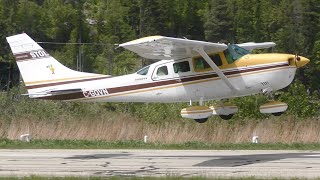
[218,26]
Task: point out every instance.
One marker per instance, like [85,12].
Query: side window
[181,67]
[144,71]
[201,65]
[162,71]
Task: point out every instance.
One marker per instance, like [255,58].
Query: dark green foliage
[293,24]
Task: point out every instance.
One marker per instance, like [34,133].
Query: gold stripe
[183,84]
[195,112]
[61,80]
[267,107]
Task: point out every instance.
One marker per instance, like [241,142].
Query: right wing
[250,46]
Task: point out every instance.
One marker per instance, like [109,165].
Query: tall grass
[121,127]
[93,121]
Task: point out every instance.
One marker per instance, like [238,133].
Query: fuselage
[184,80]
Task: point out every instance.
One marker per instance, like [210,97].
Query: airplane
[185,71]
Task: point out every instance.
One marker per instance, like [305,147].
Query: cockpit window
[144,71]
[234,53]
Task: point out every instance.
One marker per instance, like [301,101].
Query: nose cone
[301,61]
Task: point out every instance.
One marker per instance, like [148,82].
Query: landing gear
[224,110]
[277,113]
[226,117]
[273,107]
[203,120]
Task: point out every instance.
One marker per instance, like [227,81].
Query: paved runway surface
[159,163]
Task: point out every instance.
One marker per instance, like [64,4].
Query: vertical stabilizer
[38,68]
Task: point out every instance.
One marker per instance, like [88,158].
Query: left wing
[168,48]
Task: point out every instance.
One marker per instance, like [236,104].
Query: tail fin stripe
[64,82]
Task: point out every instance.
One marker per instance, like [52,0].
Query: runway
[185,163]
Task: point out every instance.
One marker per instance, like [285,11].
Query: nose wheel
[226,117]
[203,120]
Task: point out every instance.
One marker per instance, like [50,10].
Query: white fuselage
[183,87]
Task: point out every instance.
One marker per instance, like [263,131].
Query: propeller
[300,61]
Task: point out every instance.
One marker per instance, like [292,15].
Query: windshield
[235,52]
[143,71]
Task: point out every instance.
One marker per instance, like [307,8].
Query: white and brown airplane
[187,71]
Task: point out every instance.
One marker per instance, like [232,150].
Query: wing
[250,46]
[168,48]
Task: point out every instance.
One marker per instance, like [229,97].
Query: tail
[39,70]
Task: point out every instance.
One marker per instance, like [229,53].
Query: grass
[122,127]
[137,178]
[99,144]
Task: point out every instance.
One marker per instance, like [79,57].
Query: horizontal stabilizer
[53,92]
[64,91]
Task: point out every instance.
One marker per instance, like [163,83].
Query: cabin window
[144,71]
[181,67]
[201,64]
[162,71]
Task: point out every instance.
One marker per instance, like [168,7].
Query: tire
[203,120]
[277,113]
[226,117]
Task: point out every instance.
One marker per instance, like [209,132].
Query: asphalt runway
[185,163]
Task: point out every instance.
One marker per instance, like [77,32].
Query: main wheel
[226,117]
[203,120]
[277,113]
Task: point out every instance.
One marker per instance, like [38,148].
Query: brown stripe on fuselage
[65,82]
[182,80]
[69,96]
[114,90]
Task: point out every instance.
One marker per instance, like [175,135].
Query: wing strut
[205,56]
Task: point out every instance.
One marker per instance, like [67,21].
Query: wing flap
[167,48]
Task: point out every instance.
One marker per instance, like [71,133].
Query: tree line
[84,34]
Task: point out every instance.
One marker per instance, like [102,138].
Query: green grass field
[98,144]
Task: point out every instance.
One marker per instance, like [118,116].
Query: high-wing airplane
[186,71]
